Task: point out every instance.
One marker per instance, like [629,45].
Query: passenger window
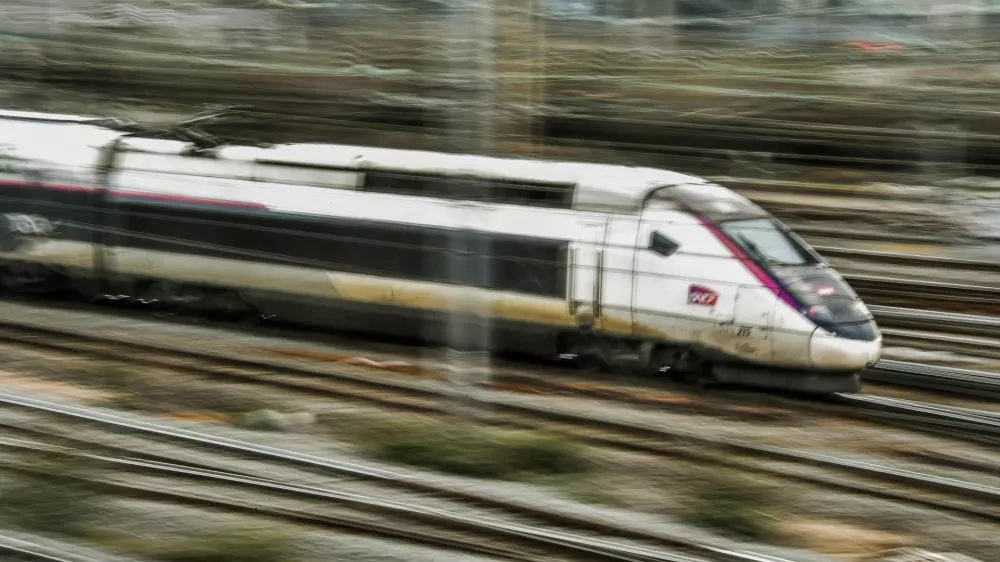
[662,245]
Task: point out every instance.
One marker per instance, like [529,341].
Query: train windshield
[765,241]
[828,301]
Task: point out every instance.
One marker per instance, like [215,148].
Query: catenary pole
[469,265]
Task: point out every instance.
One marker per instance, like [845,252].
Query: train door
[617,311]
[586,279]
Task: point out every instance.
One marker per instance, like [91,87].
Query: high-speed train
[620,264]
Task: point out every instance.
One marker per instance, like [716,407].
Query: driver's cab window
[765,241]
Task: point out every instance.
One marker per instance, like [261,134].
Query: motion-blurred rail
[972,499]
[933,377]
[396,393]
[550,539]
[34,550]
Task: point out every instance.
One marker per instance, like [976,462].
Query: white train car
[580,260]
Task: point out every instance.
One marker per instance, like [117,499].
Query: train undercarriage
[583,349]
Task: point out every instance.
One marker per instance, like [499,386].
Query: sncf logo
[702,296]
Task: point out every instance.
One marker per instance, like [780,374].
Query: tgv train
[618,264]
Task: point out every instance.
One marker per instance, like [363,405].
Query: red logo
[825,291]
[702,296]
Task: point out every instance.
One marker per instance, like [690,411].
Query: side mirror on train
[662,245]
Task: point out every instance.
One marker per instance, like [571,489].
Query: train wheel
[692,369]
[234,307]
[660,360]
[586,351]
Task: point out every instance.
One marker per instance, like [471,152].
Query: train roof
[582,186]
[599,187]
[53,138]
[602,187]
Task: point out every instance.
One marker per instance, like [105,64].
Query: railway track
[967,334]
[961,497]
[929,295]
[938,321]
[901,326]
[18,547]
[394,392]
[902,290]
[947,419]
[495,536]
[932,377]
[397,393]
[394,520]
[511,409]
[924,340]
[914,260]
[33,552]
[29,551]
[892,234]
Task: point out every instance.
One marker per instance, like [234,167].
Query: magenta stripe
[758,272]
[185,199]
[53,186]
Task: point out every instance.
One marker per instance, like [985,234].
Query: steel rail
[165,460]
[934,377]
[925,317]
[959,343]
[986,418]
[893,291]
[576,544]
[809,229]
[978,384]
[946,419]
[957,319]
[927,376]
[960,291]
[910,259]
[949,322]
[376,474]
[915,418]
[382,528]
[34,552]
[663,438]
[43,553]
[966,382]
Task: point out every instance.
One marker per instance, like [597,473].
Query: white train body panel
[707,293]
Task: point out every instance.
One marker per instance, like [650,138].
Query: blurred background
[761,94]
[870,127]
[799,89]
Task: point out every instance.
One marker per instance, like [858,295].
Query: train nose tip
[875,353]
[829,352]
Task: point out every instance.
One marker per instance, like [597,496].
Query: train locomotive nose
[832,353]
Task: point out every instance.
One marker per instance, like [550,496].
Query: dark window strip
[481,189]
[516,263]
